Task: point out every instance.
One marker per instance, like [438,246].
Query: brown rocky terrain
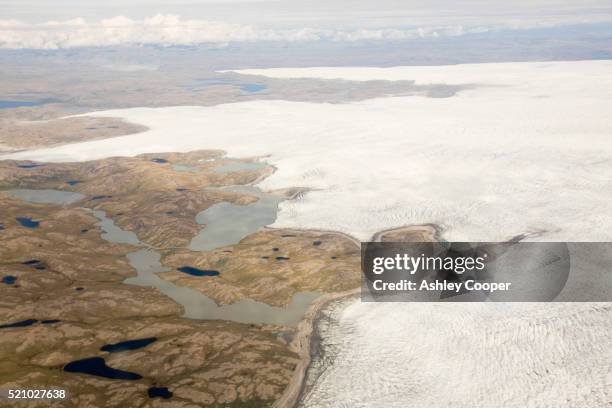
[69,280]
[204,364]
[24,134]
[270,266]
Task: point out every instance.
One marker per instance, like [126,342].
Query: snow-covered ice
[466,355]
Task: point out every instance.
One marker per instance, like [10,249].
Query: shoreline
[302,345]
[306,329]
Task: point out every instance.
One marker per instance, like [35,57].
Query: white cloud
[166,29]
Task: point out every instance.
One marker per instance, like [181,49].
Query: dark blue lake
[128,345]
[157,160]
[8,279]
[36,264]
[161,392]
[198,272]
[23,323]
[27,222]
[28,165]
[73,182]
[50,321]
[97,366]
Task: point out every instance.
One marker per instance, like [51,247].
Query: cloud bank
[169,30]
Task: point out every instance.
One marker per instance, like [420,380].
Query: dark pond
[158,160]
[36,264]
[198,272]
[29,165]
[73,182]
[100,197]
[78,289]
[282,258]
[28,222]
[97,366]
[316,243]
[50,321]
[1,227]
[8,279]
[128,345]
[161,392]
[23,323]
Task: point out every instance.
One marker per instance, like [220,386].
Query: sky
[50,24]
